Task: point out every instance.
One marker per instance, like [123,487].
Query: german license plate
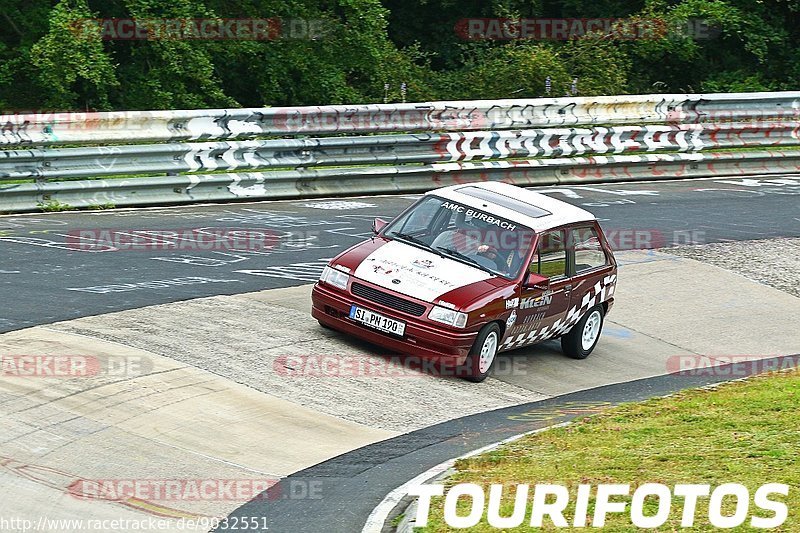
[377,321]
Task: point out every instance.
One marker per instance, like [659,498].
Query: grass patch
[744,432]
[52,206]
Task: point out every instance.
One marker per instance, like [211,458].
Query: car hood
[413,271]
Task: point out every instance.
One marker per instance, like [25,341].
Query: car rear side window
[550,258]
[589,253]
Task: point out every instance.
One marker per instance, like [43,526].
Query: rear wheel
[483,354]
[583,337]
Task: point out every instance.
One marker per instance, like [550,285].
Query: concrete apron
[199,391]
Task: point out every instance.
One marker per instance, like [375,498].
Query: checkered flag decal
[602,291]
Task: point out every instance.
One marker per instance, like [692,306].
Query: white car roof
[523,206]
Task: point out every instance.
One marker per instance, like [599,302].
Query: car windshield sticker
[475,214]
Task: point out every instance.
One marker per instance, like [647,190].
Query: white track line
[377,518]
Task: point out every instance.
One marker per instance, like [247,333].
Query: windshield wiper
[410,238]
[459,255]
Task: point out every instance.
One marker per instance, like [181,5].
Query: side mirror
[377,225]
[536,281]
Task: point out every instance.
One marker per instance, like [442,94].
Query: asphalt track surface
[351,485]
[60,266]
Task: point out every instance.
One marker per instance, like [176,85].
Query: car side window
[550,258]
[589,253]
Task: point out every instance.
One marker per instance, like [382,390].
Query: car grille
[389,300]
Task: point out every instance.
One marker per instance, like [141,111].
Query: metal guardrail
[677,131]
[42,163]
[388,179]
[222,124]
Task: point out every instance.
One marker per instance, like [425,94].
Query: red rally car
[472,270]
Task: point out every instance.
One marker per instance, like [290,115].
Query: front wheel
[583,337]
[483,353]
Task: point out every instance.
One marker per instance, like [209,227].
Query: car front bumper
[422,338]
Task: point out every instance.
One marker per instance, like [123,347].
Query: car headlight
[448,316]
[334,277]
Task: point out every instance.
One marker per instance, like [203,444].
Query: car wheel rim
[488,351]
[591,330]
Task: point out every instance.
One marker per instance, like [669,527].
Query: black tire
[471,369]
[572,343]
[326,326]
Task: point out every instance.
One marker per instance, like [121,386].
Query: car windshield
[465,234]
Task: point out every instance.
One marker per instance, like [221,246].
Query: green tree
[512,71]
[165,72]
[50,57]
[599,63]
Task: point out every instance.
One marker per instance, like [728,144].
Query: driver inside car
[465,238]
[513,261]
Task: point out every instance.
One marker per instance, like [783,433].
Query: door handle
[567,288]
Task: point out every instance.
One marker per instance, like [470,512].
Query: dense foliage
[368,49]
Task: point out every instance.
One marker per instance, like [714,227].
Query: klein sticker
[512,303]
[528,303]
